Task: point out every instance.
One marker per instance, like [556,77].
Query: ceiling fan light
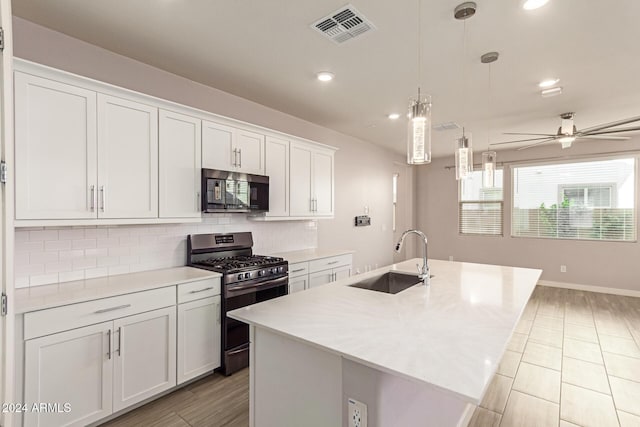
[566,141]
[546,93]
[533,4]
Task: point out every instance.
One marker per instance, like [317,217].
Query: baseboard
[590,288]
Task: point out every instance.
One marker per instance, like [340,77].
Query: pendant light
[489,157]
[419,127]
[463,149]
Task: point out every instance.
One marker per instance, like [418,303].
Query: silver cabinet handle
[93,197]
[298,270]
[102,191]
[218,312]
[332,262]
[240,154]
[235,157]
[198,201]
[310,205]
[106,310]
[119,340]
[201,290]
[109,347]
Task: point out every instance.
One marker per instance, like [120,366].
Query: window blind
[591,200]
[480,208]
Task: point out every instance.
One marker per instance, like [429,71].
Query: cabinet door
[218,151]
[180,162]
[198,337]
[277,169]
[127,159]
[320,278]
[300,180]
[72,367]
[144,356]
[298,284]
[55,149]
[342,272]
[250,148]
[323,183]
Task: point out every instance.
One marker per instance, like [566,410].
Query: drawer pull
[333,262]
[109,340]
[298,270]
[201,290]
[106,310]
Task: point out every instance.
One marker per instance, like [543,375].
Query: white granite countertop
[451,335]
[41,297]
[311,254]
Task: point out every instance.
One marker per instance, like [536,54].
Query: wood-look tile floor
[574,360]
[214,401]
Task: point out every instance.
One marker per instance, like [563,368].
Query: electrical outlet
[357,413]
[563,269]
[450,257]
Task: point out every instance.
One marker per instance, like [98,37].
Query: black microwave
[225,191]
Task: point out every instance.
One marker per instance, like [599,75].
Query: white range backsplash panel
[46,255]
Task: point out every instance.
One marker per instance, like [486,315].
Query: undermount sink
[390,283]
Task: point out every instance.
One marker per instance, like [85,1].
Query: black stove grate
[237,263]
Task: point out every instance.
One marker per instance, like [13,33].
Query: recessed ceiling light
[533,4]
[551,92]
[394,116]
[325,76]
[548,83]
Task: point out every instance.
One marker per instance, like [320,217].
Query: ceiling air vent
[446,126]
[344,24]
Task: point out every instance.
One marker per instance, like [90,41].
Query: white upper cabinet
[127,159]
[55,149]
[311,190]
[231,149]
[180,160]
[277,169]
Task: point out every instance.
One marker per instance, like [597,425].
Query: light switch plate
[357,413]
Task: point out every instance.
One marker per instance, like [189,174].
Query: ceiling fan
[567,133]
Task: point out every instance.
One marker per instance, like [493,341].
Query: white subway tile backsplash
[57,245]
[79,253]
[21,282]
[71,233]
[84,244]
[43,235]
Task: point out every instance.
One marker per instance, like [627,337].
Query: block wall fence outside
[48,255]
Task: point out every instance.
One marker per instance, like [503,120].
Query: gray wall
[363,171]
[607,264]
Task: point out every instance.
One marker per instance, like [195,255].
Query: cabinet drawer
[45,322]
[197,290]
[331,262]
[298,269]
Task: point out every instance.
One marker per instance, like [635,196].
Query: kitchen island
[423,356]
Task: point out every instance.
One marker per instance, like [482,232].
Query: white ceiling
[265,51]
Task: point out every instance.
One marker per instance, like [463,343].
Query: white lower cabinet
[144,356]
[318,272]
[199,331]
[72,367]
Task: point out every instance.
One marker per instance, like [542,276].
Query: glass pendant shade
[464,157]
[489,169]
[419,131]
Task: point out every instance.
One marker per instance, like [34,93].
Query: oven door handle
[241,290]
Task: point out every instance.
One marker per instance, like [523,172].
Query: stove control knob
[240,276]
[261,273]
[271,271]
[247,275]
[280,269]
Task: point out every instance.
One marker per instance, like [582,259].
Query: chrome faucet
[423,272]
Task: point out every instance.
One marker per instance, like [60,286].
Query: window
[480,207]
[590,200]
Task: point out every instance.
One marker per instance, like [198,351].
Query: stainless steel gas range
[246,279]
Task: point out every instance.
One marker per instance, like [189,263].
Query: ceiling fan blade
[523,140]
[605,137]
[535,144]
[533,134]
[604,132]
[610,125]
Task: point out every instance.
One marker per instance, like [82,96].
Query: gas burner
[241,262]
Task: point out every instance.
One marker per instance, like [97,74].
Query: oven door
[236,333]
